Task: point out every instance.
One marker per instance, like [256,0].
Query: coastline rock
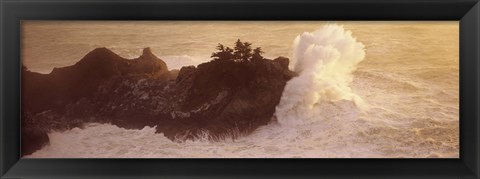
[221,98]
[68,84]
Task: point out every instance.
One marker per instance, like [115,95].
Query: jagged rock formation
[63,85]
[221,97]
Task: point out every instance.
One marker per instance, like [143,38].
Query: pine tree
[257,54]
[243,51]
[223,53]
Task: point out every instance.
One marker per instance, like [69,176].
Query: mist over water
[365,89]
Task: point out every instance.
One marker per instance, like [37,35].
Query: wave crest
[325,60]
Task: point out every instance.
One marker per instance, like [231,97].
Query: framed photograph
[240,89]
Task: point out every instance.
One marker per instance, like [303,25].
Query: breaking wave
[325,61]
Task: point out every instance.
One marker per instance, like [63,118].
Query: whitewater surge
[333,109]
[325,61]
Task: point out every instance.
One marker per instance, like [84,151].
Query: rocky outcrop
[65,85]
[221,98]
[225,98]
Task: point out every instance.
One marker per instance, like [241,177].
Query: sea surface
[407,79]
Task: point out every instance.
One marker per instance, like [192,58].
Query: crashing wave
[325,60]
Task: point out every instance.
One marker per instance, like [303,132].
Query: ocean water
[365,90]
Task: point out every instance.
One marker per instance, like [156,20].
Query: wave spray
[325,60]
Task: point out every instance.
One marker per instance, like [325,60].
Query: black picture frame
[465,11]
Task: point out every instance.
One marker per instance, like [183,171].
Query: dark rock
[147,63]
[185,72]
[226,98]
[32,140]
[221,97]
[33,137]
[283,61]
[65,85]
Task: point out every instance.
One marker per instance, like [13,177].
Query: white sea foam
[325,61]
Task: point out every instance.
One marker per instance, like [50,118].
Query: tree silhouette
[242,52]
[257,54]
[223,53]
